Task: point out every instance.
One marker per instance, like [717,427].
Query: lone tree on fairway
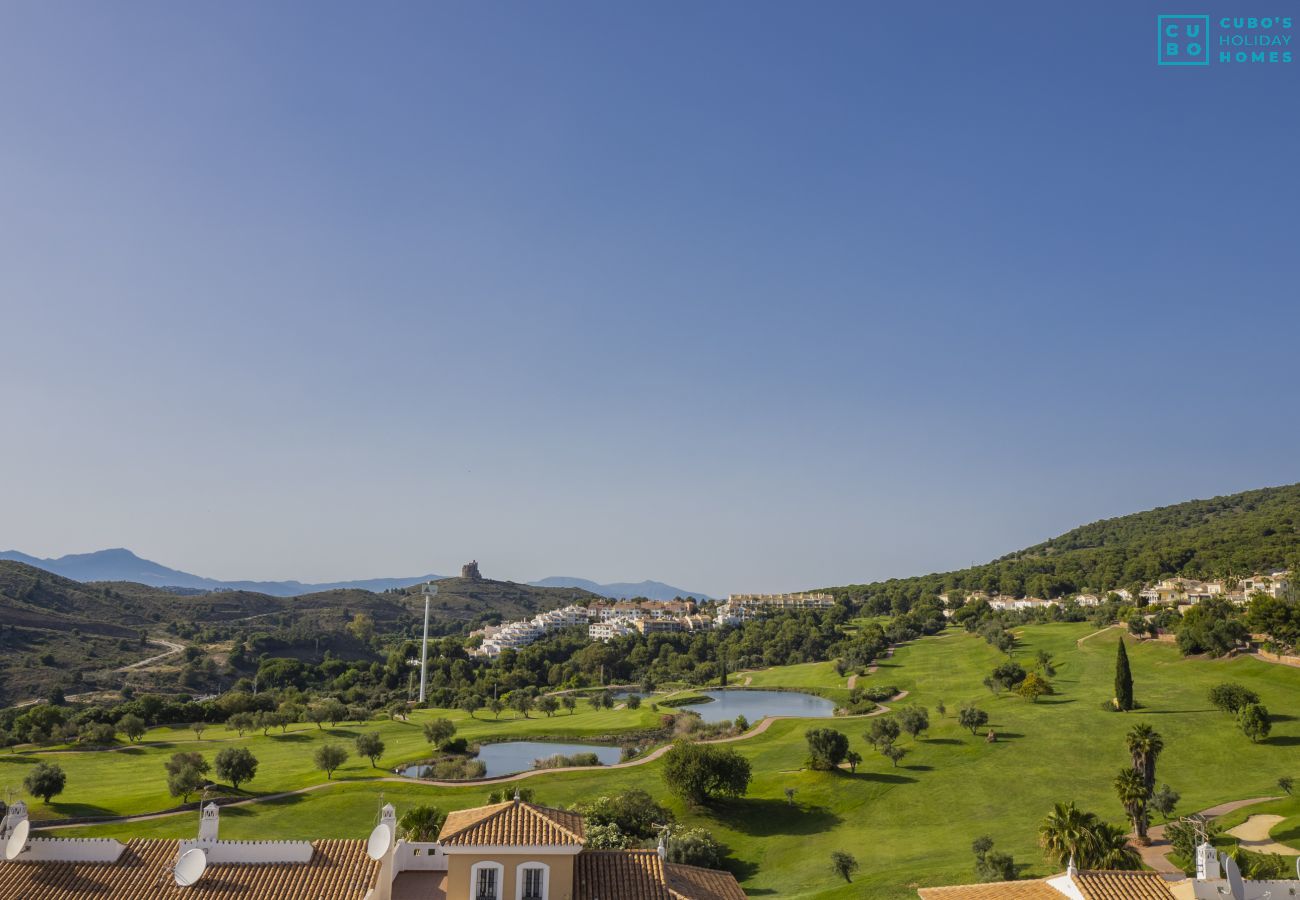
[237,765]
[1255,722]
[568,703]
[915,720]
[972,717]
[132,726]
[421,823]
[699,772]
[883,730]
[370,745]
[186,773]
[1123,679]
[329,757]
[854,759]
[893,753]
[469,702]
[45,780]
[548,705]
[439,731]
[844,864]
[198,728]
[826,748]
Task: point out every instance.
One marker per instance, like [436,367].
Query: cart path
[1157,855]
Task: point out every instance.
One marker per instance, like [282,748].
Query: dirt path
[172,649]
[853,681]
[650,757]
[1253,834]
[1079,642]
[749,679]
[1157,855]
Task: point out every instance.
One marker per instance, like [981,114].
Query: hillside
[1230,536]
[57,632]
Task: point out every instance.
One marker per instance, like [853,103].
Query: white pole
[424,648]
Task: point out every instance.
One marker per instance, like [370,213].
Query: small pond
[508,757]
[755,705]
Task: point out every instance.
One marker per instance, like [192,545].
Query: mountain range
[120,564]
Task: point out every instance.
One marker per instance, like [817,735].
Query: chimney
[208,824]
[1207,863]
[388,816]
[663,848]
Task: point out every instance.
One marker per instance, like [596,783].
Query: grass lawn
[908,826]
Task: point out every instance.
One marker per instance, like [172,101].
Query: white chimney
[1207,863]
[388,816]
[208,824]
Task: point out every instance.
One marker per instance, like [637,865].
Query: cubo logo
[1183,40]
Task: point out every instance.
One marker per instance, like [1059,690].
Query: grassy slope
[908,826]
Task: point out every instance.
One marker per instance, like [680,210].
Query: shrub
[1231,697]
[699,772]
[695,847]
[826,748]
[634,811]
[45,780]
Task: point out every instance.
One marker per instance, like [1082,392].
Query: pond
[508,757]
[755,705]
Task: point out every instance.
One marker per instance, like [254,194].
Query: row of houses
[1169,592]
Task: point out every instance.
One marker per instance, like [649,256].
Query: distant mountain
[123,565]
[622,590]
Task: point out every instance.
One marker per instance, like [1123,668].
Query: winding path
[1156,856]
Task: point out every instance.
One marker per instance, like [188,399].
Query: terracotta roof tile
[696,883]
[339,870]
[512,824]
[619,875]
[1122,886]
[1001,890]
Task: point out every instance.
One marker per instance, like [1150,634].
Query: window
[532,880]
[486,879]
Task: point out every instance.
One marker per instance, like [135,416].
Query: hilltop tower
[470,571]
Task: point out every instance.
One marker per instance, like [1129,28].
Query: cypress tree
[1123,679]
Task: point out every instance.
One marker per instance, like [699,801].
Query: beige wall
[459,865]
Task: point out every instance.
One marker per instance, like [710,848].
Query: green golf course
[908,825]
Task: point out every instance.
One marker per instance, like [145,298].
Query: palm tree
[1145,745]
[1067,833]
[1132,790]
[421,823]
[1111,849]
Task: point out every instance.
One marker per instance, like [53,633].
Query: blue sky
[738,296]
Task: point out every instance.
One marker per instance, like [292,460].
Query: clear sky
[734,295]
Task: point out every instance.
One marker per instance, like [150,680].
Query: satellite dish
[1235,883]
[190,867]
[17,842]
[380,840]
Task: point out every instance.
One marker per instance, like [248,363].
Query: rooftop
[513,823]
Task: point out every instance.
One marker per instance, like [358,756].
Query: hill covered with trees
[56,633]
[1229,537]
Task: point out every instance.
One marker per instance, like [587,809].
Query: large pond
[755,705]
[508,757]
